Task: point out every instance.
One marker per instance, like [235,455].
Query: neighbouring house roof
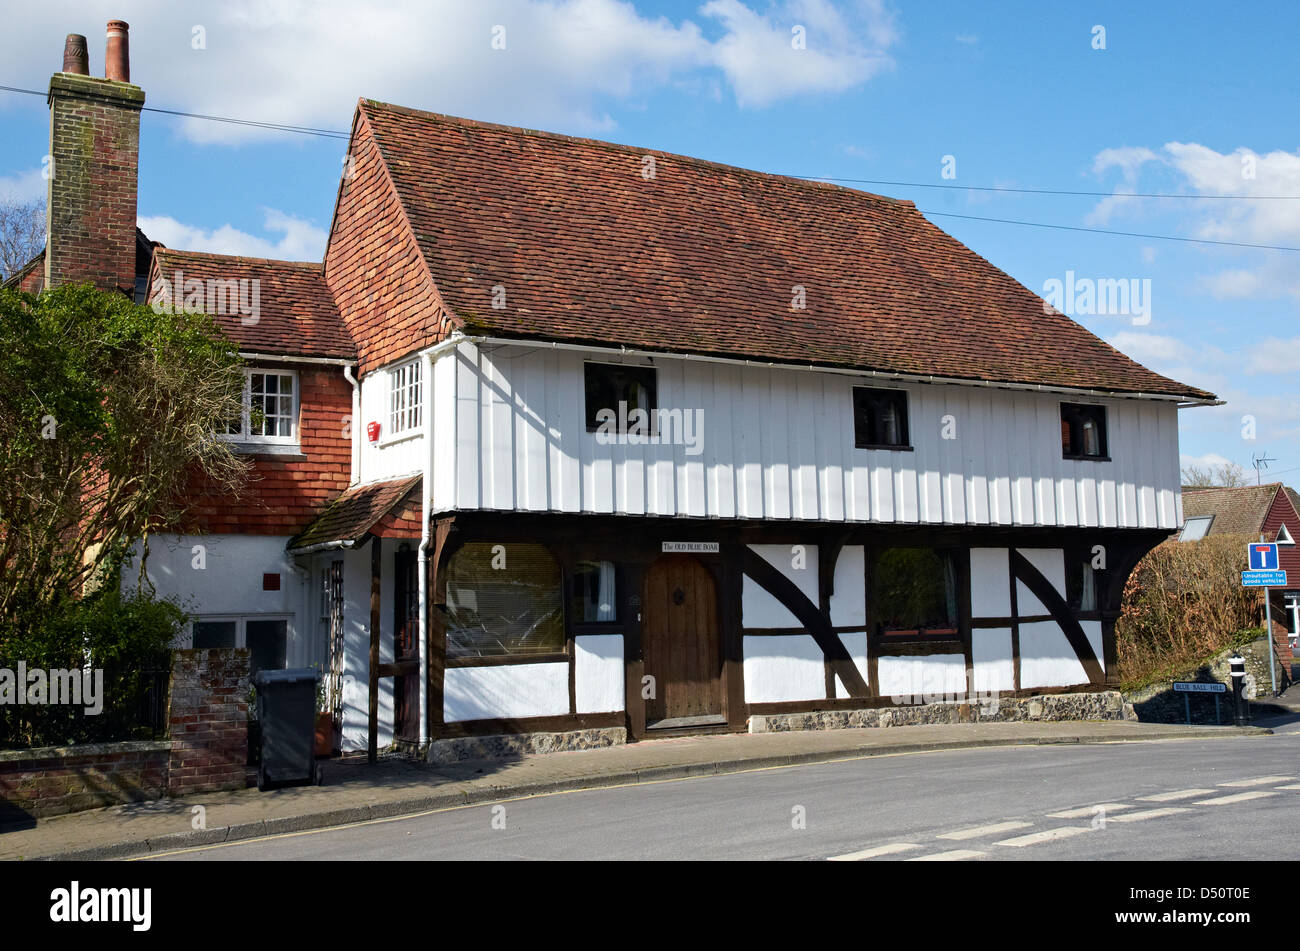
[375,508]
[296,313]
[1236,511]
[588,247]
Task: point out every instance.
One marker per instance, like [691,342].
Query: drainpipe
[355,476]
[426,495]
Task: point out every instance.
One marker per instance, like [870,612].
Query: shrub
[1183,603]
[128,637]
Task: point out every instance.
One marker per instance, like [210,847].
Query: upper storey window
[270,408]
[404,398]
[1083,431]
[880,419]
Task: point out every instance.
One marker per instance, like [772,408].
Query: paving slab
[355,791]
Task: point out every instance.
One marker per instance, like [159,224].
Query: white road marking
[1084,812]
[978,831]
[1176,794]
[956,855]
[1047,835]
[1148,814]
[1239,797]
[1292,786]
[1262,781]
[890,849]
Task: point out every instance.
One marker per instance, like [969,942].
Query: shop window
[503,600]
[1083,432]
[594,593]
[879,419]
[915,592]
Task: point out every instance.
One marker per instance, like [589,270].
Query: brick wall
[95,144]
[208,718]
[53,780]
[284,493]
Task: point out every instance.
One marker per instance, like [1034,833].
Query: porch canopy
[379,509]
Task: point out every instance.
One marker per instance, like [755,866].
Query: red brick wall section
[208,719]
[55,780]
[374,267]
[284,494]
[95,144]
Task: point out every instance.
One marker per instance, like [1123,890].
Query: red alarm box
[372,430]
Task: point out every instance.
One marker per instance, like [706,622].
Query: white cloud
[306,62]
[1208,461]
[1273,356]
[804,46]
[1148,348]
[1244,209]
[299,240]
[23,186]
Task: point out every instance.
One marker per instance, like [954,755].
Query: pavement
[354,791]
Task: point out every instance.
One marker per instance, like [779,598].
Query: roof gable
[535,235]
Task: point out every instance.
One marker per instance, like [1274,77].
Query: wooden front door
[681,641]
[406,645]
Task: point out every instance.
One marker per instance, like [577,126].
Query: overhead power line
[1049,191]
[1126,234]
[274,126]
[337,134]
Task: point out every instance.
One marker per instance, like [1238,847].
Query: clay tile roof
[1236,511]
[354,513]
[706,258]
[297,314]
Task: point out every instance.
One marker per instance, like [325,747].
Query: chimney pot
[75,57]
[117,53]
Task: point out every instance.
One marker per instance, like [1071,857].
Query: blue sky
[1185,98]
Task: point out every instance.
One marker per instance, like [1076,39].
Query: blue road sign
[1262,556]
[1263,579]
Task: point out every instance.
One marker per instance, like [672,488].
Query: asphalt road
[1171,800]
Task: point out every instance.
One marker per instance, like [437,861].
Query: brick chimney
[95,147]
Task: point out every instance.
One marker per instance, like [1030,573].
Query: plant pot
[324,734]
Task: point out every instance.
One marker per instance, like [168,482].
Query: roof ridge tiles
[448,119]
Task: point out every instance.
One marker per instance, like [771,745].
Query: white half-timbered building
[682,448]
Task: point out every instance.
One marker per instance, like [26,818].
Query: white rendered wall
[598,673]
[1046,657]
[994,666]
[915,678]
[510,691]
[356,641]
[390,457]
[213,575]
[780,668]
[760,609]
[777,443]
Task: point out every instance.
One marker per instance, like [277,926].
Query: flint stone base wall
[1158,703]
[1102,705]
[461,748]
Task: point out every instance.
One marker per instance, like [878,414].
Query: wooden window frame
[875,395]
[405,386]
[1073,414]
[246,436]
[630,370]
